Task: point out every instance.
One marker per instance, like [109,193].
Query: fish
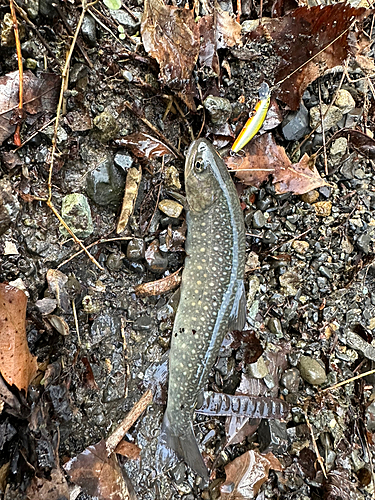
[253,124]
[212,297]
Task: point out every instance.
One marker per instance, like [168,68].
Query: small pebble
[300,246]
[344,101]
[156,262]
[259,220]
[252,262]
[258,369]
[338,147]
[135,250]
[310,197]
[334,115]
[312,371]
[274,325]
[106,125]
[172,179]
[143,323]
[290,379]
[115,261]
[323,208]
[76,212]
[170,208]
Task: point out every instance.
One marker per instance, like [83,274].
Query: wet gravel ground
[309,282]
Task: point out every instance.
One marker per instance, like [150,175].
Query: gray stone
[274,325]
[296,125]
[259,220]
[334,115]
[269,237]
[258,369]
[130,25]
[143,323]
[365,240]
[290,379]
[312,371]
[76,212]
[123,161]
[353,117]
[88,30]
[106,125]
[49,132]
[218,108]
[339,147]
[105,326]
[273,436]
[135,250]
[105,184]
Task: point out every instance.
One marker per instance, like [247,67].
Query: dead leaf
[129,450]
[218,30]
[159,287]
[59,324]
[42,488]
[17,365]
[133,179]
[144,146]
[171,35]
[40,95]
[88,376]
[263,157]
[361,142]
[246,474]
[98,475]
[302,34]
[56,285]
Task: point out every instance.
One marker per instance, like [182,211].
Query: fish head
[201,175]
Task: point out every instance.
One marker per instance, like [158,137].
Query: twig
[108,29]
[122,238]
[155,130]
[17,136]
[323,130]
[348,381]
[128,421]
[318,455]
[35,133]
[76,321]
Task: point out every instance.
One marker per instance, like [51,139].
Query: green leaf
[112,4]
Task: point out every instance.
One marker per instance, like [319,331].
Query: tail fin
[183,445]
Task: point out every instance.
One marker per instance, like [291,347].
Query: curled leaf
[144,145]
[158,287]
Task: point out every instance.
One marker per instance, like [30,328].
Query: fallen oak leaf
[263,157]
[171,35]
[17,365]
[246,474]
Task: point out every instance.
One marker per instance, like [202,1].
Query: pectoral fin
[237,318]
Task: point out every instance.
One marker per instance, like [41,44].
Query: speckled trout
[212,298]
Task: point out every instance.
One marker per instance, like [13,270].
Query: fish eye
[200,166]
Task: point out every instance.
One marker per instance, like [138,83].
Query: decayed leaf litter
[287,274]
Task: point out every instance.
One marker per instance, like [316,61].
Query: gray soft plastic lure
[212,297]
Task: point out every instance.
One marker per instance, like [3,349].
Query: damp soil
[309,280]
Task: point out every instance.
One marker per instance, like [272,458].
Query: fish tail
[183,445]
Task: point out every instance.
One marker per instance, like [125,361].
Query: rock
[127,75]
[300,246]
[338,149]
[142,324]
[105,326]
[274,325]
[115,261]
[310,197]
[273,436]
[252,262]
[31,63]
[365,240]
[259,220]
[290,282]
[172,179]
[32,8]
[135,250]
[218,108]
[105,184]
[156,262]
[61,137]
[137,267]
[269,237]
[258,369]
[323,208]
[290,379]
[88,30]
[131,25]
[171,208]
[296,125]
[123,161]
[312,371]
[107,127]
[9,206]
[344,101]
[76,212]
[334,115]
[353,117]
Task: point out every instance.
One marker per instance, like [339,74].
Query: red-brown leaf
[17,365]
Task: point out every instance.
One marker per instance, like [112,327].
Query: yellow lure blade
[254,123]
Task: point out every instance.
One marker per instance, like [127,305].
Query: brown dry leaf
[301,35]
[131,192]
[99,476]
[43,489]
[246,474]
[56,285]
[158,287]
[40,95]
[144,145]
[17,365]
[263,157]
[129,450]
[361,142]
[171,36]
[218,31]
